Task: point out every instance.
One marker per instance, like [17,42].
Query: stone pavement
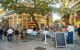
[32,44]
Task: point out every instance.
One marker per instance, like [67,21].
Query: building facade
[24,21]
[75,14]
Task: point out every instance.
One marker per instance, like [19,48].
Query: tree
[35,6]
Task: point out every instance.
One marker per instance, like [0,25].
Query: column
[75,15]
[9,22]
[22,21]
[70,19]
[17,21]
[13,22]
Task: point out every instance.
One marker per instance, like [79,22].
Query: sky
[56,16]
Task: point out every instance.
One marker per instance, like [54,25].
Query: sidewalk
[32,44]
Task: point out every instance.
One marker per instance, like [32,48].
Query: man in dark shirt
[1,33]
[78,31]
[16,34]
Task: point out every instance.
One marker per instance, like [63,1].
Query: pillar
[22,21]
[75,15]
[70,19]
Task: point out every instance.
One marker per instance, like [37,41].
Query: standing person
[5,33]
[70,30]
[9,34]
[78,30]
[23,34]
[1,33]
[16,34]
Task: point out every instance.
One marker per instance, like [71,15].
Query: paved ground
[32,44]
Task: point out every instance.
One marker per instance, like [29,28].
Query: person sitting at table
[45,31]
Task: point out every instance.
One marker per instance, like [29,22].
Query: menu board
[60,40]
